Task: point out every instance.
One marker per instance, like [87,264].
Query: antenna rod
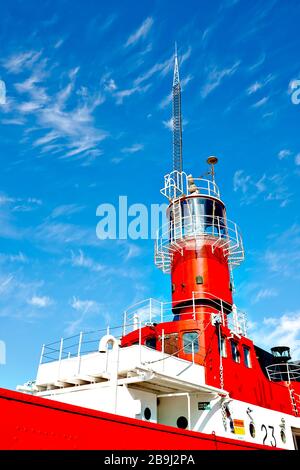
[177,120]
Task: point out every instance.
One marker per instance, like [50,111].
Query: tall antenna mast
[177,120]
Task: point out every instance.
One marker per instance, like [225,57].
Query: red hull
[34,423]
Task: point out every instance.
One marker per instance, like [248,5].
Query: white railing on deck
[146,312]
[151,311]
[286,372]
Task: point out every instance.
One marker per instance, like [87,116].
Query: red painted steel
[211,266]
[34,423]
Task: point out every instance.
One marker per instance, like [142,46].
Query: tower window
[190,342]
[222,346]
[199,280]
[247,359]
[235,352]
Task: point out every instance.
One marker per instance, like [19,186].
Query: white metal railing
[76,345]
[215,230]
[146,312]
[177,183]
[151,311]
[286,372]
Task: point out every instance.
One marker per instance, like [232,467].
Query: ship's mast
[177,119]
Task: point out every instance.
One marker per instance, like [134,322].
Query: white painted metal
[192,231]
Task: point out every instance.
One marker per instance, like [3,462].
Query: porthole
[283,436]
[252,430]
[147,413]
[182,422]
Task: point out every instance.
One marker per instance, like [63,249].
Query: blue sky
[84,118]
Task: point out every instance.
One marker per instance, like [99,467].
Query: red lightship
[179,375]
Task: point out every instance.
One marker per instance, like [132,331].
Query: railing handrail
[176,184]
[290,369]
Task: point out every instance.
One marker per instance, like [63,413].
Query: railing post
[124,322]
[189,410]
[288,373]
[60,355]
[163,348]
[79,344]
[194,310]
[222,313]
[79,351]
[42,354]
[140,339]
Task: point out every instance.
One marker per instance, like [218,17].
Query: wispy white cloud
[284,153]
[16,295]
[258,85]
[13,122]
[17,204]
[269,187]
[53,233]
[121,94]
[66,210]
[6,283]
[133,251]
[254,88]
[216,76]
[110,85]
[83,308]
[83,305]
[133,148]
[258,63]
[297,159]
[266,293]
[166,101]
[162,68]
[16,63]
[283,330]
[261,102]
[141,32]
[13,258]
[81,260]
[169,124]
[64,118]
[282,257]
[241,181]
[2,92]
[59,43]
[40,301]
